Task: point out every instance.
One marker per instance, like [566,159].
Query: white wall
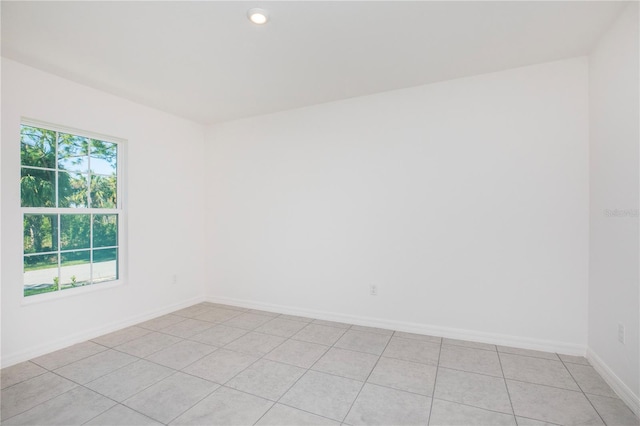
[465,201]
[165,183]
[614,185]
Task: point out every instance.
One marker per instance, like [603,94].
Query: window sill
[71,292]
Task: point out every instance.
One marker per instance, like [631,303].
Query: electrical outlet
[174,279]
[621,337]
[373,290]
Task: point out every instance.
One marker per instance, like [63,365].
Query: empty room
[320,213]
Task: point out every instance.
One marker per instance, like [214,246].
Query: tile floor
[221,365]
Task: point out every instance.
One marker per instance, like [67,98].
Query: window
[71,209]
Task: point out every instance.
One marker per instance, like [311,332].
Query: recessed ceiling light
[258,16]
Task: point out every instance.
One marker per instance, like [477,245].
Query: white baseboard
[624,392]
[409,327]
[46,348]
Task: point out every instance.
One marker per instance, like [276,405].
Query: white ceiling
[205,61]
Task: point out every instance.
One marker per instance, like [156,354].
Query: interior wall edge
[411,327]
[619,387]
[36,351]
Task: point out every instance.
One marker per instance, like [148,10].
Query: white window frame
[119,210]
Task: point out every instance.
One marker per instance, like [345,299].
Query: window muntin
[72,210]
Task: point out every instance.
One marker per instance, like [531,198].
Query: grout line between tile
[583,393]
[530,356]
[79,359]
[3,420]
[297,380]
[173,372]
[435,383]
[469,347]
[155,383]
[216,350]
[547,386]
[344,330]
[367,379]
[299,409]
[472,372]
[198,401]
[22,381]
[479,408]
[95,391]
[182,319]
[311,369]
[125,406]
[538,420]
[106,374]
[504,380]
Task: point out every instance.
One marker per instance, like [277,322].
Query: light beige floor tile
[452,414]
[377,405]
[345,363]
[574,359]
[363,341]
[383,331]
[167,399]
[281,327]
[404,375]
[260,312]
[121,336]
[469,389]
[300,354]
[159,323]
[65,356]
[19,373]
[187,328]
[469,344]
[221,365]
[470,359]
[147,344]
[28,394]
[528,352]
[613,411]
[415,336]
[225,407]
[120,415]
[413,350]
[257,344]
[332,323]
[590,381]
[219,335]
[537,370]
[323,394]
[296,318]
[192,311]
[552,405]
[224,306]
[478,390]
[181,354]
[248,321]
[282,415]
[267,379]
[129,380]
[95,366]
[75,407]
[523,421]
[217,315]
[321,334]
